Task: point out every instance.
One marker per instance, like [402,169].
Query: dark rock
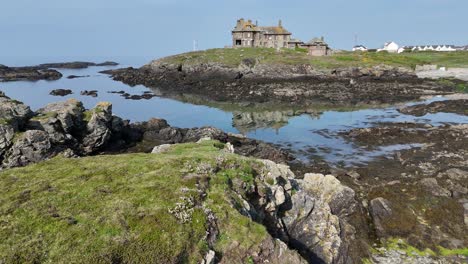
[107,63]
[92,93]
[61,92]
[380,209]
[76,76]
[68,65]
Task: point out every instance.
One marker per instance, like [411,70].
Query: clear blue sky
[163,27]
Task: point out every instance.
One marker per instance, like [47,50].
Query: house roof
[248,26]
[279,30]
[245,26]
[359,46]
[316,42]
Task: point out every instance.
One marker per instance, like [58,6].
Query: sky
[155,28]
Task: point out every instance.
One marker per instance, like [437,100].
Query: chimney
[256,23]
[280,23]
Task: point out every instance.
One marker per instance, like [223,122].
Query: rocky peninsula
[263,75]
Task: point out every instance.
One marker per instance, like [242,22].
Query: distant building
[390,47]
[248,34]
[295,43]
[442,48]
[317,47]
[359,48]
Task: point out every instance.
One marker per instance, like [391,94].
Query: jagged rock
[317,223]
[431,185]
[70,114]
[170,135]
[195,134]
[380,209]
[276,251]
[33,146]
[161,148]
[7,133]
[52,126]
[13,113]
[99,128]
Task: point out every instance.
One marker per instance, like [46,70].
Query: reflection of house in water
[247,122]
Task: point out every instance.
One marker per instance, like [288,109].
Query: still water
[293,129]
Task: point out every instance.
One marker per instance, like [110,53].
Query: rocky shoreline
[66,127]
[402,197]
[298,84]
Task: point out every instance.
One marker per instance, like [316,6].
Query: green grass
[401,244]
[234,57]
[109,209]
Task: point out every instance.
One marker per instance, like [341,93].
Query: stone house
[248,34]
[317,47]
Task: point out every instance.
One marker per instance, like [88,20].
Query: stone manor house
[249,34]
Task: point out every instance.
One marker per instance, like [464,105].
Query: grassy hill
[233,57]
[139,208]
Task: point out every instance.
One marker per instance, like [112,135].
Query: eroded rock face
[69,113]
[13,113]
[317,222]
[33,146]
[99,128]
[7,133]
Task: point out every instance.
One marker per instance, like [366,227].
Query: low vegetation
[132,208]
[233,57]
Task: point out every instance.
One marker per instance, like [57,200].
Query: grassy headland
[138,208]
[233,57]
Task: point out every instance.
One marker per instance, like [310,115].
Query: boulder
[380,209]
[161,148]
[99,128]
[33,146]
[431,185]
[61,92]
[69,113]
[13,113]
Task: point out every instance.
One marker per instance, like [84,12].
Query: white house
[359,48]
[391,47]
